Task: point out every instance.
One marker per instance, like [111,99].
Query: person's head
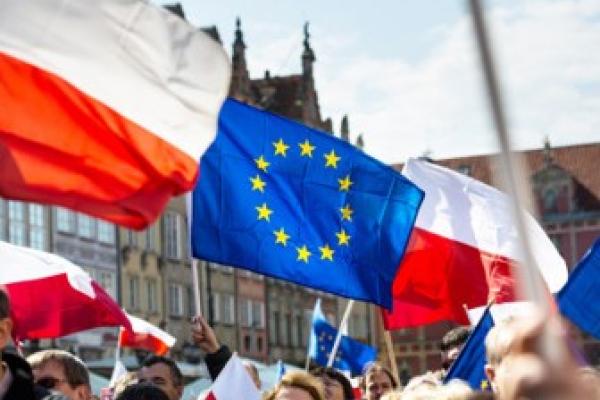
[163,373]
[253,371]
[427,380]
[451,345]
[142,391]
[337,386]
[61,371]
[297,385]
[5,321]
[376,381]
[497,346]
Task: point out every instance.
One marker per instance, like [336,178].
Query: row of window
[150,292]
[106,279]
[286,329]
[178,296]
[74,223]
[23,224]
[175,245]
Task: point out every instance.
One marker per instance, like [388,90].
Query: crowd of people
[517,367]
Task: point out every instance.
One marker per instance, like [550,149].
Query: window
[293,329]
[134,292]
[65,220]
[247,342]
[227,309]
[85,226]
[191,304]
[284,333]
[175,300]
[16,221]
[107,280]
[132,238]
[274,328]
[245,312]
[258,314]
[150,235]
[259,344]
[550,200]
[37,224]
[300,330]
[152,293]
[173,235]
[106,232]
[216,299]
[465,169]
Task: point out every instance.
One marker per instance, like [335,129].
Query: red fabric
[438,277]
[210,396]
[60,146]
[50,307]
[143,341]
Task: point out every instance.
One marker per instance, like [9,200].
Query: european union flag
[470,364]
[351,355]
[579,299]
[284,200]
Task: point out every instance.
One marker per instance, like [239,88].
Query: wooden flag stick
[389,345]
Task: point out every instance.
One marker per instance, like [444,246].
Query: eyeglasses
[49,382]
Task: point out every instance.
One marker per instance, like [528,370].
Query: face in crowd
[60,371]
[163,373]
[377,381]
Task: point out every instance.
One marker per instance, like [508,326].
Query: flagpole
[389,345]
[338,337]
[196,284]
[513,174]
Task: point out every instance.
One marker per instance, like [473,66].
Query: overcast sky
[407,73]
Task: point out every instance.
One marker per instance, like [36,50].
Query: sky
[407,72]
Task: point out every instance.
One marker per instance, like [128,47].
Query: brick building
[566,187]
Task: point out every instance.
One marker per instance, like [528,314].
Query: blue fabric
[280,370]
[237,207]
[352,355]
[579,299]
[469,366]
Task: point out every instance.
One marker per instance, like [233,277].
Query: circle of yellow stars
[264,213]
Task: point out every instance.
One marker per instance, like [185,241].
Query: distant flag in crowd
[280,370]
[352,355]
[287,201]
[233,383]
[118,371]
[144,335]
[470,364]
[579,299]
[462,250]
[51,297]
[113,129]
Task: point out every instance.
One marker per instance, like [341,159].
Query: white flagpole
[196,284]
[338,337]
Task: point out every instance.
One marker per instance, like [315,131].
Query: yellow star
[343,237]
[280,147]
[346,212]
[258,184]
[326,252]
[303,254]
[345,183]
[331,159]
[306,149]
[264,212]
[261,163]
[281,237]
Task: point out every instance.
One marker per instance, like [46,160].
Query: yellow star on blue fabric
[261,163]
[258,184]
[343,238]
[306,149]
[346,212]
[331,159]
[326,252]
[303,254]
[264,212]
[280,147]
[281,237]
[345,183]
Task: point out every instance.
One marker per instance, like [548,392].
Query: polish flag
[51,297]
[462,251]
[144,335]
[107,105]
[233,383]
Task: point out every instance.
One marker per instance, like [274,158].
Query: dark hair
[377,368]
[334,374]
[175,371]
[142,391]
[454,337]
[75,370]
[4,304]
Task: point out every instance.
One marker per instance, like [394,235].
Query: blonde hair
[300,380]
[498,341]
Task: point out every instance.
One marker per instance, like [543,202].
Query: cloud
[549,58]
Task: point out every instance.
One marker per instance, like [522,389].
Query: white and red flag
[463,250]
[233,383]
[107,105]
[144,335]
[52,297]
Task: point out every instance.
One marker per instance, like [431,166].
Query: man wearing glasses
[62,372]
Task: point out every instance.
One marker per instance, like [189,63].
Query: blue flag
[469,366]
[352,355]
[287,201]
[579,299]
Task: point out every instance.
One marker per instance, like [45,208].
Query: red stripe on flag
[61,146]
[210,396]
[143,341]
[439,276]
